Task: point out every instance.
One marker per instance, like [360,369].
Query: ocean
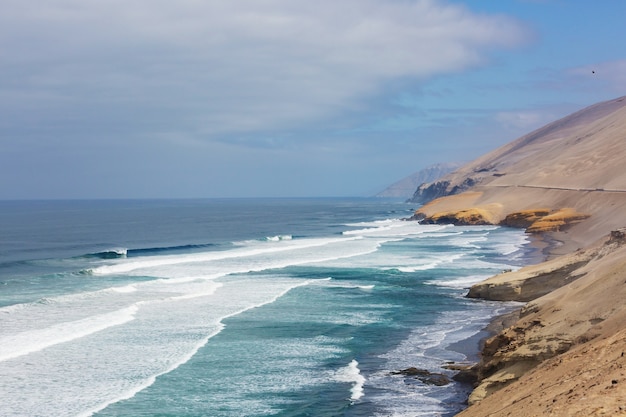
[238,307]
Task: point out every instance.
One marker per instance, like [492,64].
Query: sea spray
[352,374]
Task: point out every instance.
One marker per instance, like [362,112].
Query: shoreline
[532,343]
[535,252]
[566,353]
[540,249]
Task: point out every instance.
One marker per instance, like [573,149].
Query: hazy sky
[246,98]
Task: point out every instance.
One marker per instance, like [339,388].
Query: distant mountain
[407,186]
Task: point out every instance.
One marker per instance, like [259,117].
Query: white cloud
[523,119]
[221,66]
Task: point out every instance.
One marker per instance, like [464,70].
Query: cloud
[524,120]
[216,67]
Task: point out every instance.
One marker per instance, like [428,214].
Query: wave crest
[352,373]
[278,238]
[112,253]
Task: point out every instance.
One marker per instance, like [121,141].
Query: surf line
[30,341]
[184,359]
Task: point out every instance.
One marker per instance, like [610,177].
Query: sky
[284,98]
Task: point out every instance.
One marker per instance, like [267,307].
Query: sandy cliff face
[564,354]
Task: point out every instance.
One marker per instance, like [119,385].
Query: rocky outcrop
[557,221]
[587,380]
[430,191]
[425,376]
[533,281]
[469,217]
[524,218]
[533,220]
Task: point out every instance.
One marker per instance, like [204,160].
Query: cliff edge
[570,172]
[564,353]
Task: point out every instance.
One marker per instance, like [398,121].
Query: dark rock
[412,371]
[525,218]
[435,379]
[618,236]
[431,191]
[467,372]
[468,376]
[417,217]
[428,192]
[424,376]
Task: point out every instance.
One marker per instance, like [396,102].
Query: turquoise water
[296,307]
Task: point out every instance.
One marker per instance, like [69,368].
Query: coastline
[565,183]
[536,251]
[531,342]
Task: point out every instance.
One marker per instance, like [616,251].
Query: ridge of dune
[576,163]
[564,353]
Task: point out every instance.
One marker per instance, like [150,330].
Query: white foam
[125,289]
[278,238]
[375,223]
[124,266]
[350,285]
[368,230]
[151,379]
[469,241]
[106,358]
[20,344]
[513,243]
[425,263]
[393,228]
[31,327]
[119,251]
[461,283]
[352,373]
[191,352]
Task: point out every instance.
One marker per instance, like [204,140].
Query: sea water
[251,307]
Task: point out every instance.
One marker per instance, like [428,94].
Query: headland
[564,352]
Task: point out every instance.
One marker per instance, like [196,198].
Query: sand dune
[566,182]
[578,162]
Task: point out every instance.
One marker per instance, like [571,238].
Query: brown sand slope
[578,162]
[577,151]
[568,348]
[565,354]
